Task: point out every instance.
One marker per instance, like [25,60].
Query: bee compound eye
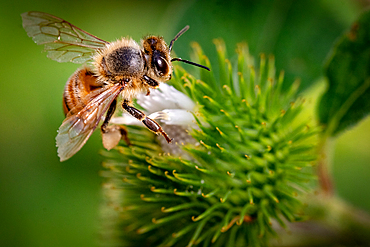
[161,65]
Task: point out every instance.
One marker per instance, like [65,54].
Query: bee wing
[63,41]
[77,128]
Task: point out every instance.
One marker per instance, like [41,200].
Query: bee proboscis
[120,68]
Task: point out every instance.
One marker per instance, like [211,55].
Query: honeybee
[120,68]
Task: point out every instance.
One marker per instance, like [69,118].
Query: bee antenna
[178,35]
[189,62]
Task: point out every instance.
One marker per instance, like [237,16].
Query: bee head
[157,56]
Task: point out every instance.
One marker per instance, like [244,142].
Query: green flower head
[241,153]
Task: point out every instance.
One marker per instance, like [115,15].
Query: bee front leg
[148,122]
[150,81]
[111,135]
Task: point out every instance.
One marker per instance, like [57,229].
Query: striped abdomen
[77,89]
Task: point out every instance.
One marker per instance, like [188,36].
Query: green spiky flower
[228,176]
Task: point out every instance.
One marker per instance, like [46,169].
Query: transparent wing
[76,129]
[63,41]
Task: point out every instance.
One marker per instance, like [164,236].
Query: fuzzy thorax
[122,62]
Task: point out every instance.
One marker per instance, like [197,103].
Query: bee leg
[111,110]
[112,134]
[151,82]
[148,122]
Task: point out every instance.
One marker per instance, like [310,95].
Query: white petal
[174,117]
[126,119]
[167,116]
[166,97]
[166,104]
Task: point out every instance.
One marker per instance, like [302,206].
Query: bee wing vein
[77,128]
[51,31]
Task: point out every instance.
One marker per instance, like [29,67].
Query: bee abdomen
[77,88]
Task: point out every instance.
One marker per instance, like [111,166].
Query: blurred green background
[47,203]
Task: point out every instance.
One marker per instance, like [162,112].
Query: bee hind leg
[111,135]
[148,122]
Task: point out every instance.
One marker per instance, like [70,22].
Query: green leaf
[348,71]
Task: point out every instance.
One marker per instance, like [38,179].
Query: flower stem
[325,152]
